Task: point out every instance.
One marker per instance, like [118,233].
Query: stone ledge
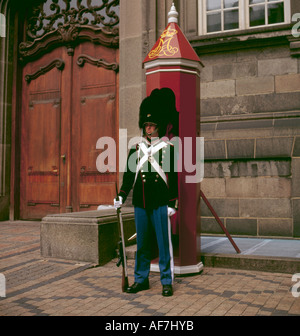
[257,263]
[89,236]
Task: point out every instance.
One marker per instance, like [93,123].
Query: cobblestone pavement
[39,287]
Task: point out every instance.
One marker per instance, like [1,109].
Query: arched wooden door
[69,101]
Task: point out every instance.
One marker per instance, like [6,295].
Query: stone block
[224,207]
[224,71]
[265,208]
[278,66]
[207,74]
[213,187]
[287,123]
[224,106]
[210,107]
[269,102]
[130,102]
[90,236]
[260,187]
[241,187]
[210,225]
[207,128]
[287,83]
[128,70]
[242,226]
[214,149]
[258,168]
[273,187]
[296,177]
[222,88]
[218,58]
[190,22]
[273,52]
[275,227]
[252,168]
[296,217]
[276,102]
[130,27]
[296,151]
[274,147]
[242,148]
[246,69]
[217,169]
[245,124]
[246,104]
[253,86]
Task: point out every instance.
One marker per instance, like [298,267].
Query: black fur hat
[160,108]
[165,101]
[148,112]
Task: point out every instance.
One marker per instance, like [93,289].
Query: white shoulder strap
[155,165]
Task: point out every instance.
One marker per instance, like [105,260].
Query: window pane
[231,19]
[275,13]
[213,4]
[231,3]
[257,16]
[214,22]
[251,2]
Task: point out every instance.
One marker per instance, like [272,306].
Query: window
[262,12]
[228,15]
[222,15]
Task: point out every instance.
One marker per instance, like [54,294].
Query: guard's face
[150,129]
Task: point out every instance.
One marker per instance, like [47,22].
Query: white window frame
[244,16]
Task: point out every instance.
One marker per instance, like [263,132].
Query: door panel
[68,103]
[43,154]
[94,117]
[40,139]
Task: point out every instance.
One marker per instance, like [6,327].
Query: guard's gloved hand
[171,211]
[118,204]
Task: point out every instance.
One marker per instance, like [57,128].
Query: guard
[152,175]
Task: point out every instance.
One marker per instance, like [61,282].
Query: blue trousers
[156,219]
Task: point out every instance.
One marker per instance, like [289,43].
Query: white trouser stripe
[171,249]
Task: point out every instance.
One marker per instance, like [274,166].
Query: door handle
[63,158]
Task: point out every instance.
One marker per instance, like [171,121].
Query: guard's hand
[171,211]
[118,204]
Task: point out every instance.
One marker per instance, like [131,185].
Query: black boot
[137,287]
[167,290]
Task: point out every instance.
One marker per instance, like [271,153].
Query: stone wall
[250,120]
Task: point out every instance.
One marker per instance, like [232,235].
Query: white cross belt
[153,150]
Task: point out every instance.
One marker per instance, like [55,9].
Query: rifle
[121,249]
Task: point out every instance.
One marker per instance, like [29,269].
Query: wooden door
[68,103]
[94,116]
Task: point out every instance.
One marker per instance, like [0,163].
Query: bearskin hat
[160,108]
[148,112]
